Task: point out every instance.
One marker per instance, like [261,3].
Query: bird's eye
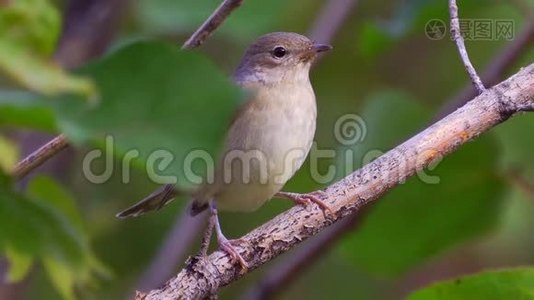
[279,52]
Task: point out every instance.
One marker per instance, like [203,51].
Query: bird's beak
[321,47]
[311,53]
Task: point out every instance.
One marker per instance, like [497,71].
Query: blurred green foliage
[29,31]
[8,154]
[150,95]
[25,110]
[45,225]
[505,284]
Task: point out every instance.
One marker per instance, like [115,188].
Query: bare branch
[287,271]
[459,40]
[38,157]
[494,72]
[212,23]
[204,276]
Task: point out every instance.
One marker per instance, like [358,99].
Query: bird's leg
[206,238]
[224,243]
[305,199]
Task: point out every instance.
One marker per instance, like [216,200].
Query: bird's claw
[228,247]
[307,199]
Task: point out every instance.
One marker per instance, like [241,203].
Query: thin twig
[39,156]
[363,186]
[494,72]
[459,40]
[212,23]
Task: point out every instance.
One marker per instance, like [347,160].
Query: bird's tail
[154,201]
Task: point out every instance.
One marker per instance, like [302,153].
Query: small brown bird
[269,138]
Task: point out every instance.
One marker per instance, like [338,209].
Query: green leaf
[157,100]
[431,212]
[22,109]
[31,24]
[32,228]
[19,264]
[46,191]
[492,285]
[46,226]
[516,149]
[61,276]
[29,30]
[8,154]
[40,74]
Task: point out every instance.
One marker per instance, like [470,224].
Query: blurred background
[394,65]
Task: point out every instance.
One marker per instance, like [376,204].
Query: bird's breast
[280,123]
[267,143]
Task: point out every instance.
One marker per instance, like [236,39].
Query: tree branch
[212,23]
[459,40]
[202,277]
[39,156]
[493,73]
[287,271]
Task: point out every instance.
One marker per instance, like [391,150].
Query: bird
[268,139]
